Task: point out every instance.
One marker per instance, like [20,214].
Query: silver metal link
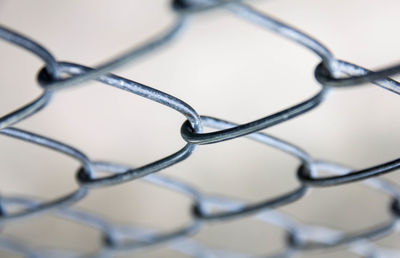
[331,73]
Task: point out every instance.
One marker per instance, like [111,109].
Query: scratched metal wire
[331,73]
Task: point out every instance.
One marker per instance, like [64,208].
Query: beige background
[224,67]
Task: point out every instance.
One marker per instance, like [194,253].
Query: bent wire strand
[280,200]
[191,136]
[145,237]
[305,175]
[329,64]
[149,93]
[174,185]
[51,68]
[375,232]
[111,232]
[148,47]
[65,200]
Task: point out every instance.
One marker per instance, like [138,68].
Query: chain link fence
[331,73]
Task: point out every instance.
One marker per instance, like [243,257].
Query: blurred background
[223,67]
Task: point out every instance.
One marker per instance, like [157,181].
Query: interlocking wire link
[331,73]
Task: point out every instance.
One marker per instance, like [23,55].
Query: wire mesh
[331,73]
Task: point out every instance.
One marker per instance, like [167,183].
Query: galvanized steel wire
[331,73]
